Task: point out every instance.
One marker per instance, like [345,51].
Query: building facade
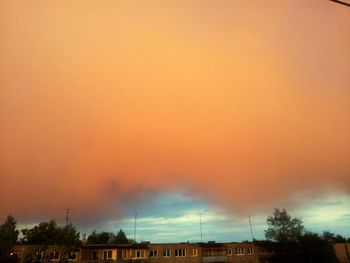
[210,252]
[342,251]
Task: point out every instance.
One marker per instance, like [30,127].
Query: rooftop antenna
[135,227]
[340,2]
[200,226]
[251,229]
[68,211]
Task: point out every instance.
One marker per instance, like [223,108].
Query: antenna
[68,211]
[135,227]
[200,226]
[251,229]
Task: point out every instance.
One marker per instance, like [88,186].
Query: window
[55,255]
[37,255]
[153,254]
[250,250]
[180,252]
[73,255]
[107,254]
[214,251]
[122,253]
[138,254]
[166,252]
[229,252]
[94,255]
[239,251]
[194,252]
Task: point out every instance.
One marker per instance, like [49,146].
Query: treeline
[108,238]
[45,234]
[291,242]
[285,236]
[8,239]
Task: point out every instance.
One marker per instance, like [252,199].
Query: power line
[340,2]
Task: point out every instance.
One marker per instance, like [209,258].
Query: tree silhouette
[294,244]
[100,238]
[8,239]
[121,238]
[49,233]
[284,228]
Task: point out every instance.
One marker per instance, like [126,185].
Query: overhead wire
[341,2]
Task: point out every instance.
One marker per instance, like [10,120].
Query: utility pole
[135,227]
[68,211]
[251,229]
[200,227]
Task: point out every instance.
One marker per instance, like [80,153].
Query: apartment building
[35,253]
[210,252]
[342,251]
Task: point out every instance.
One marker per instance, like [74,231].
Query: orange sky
[242,103]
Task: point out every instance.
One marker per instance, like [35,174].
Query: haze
[106,104]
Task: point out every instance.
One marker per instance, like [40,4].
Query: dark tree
[68,236]
[8,239]
[49,233]
[105,238]
[46,233]
[328,236]
[314,248]
[335,238]
[284,228]
[131,241]
[100,238]
[339,239]
[287,231]
[294,244]
[121,238]
[68,240]
[92,239]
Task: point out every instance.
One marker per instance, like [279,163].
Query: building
[210,252]
[342,251]
[35,253]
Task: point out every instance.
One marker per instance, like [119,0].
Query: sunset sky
[173,109]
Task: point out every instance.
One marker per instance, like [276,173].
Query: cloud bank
[104,105]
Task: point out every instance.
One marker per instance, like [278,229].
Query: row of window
[182,252]
[152,253]
[122,254]
[53,255]
[167,253]
[241,251]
